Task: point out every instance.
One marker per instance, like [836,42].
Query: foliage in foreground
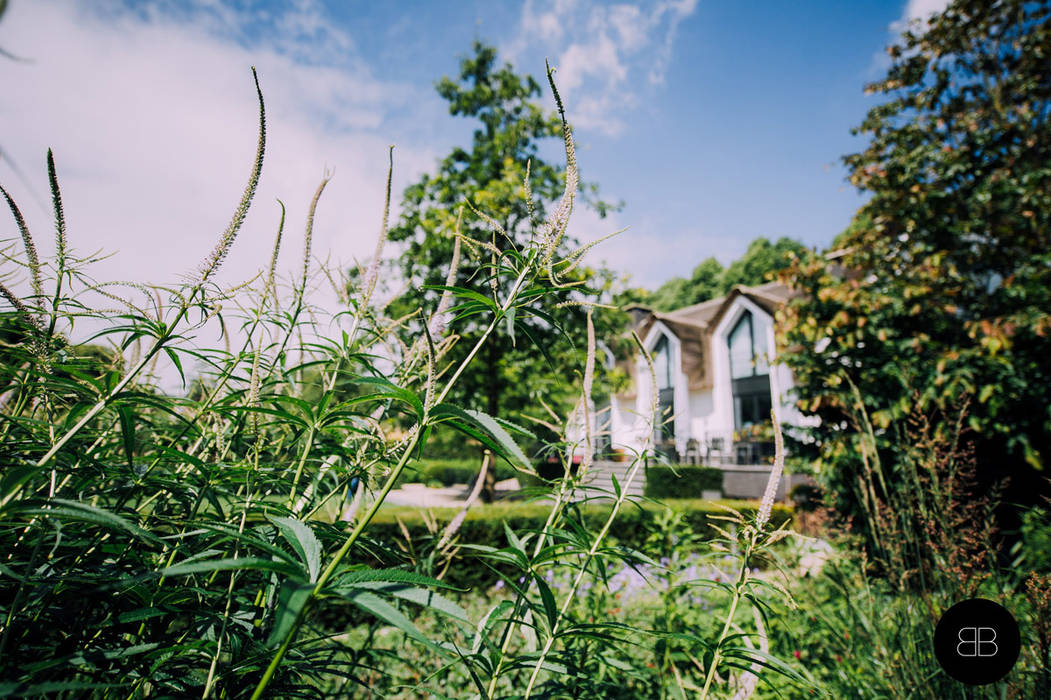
[158,546]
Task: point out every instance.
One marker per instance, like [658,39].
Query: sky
[714,121]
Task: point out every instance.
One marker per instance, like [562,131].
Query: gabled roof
[694,326]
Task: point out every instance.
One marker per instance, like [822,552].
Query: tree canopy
[939,301]
[710,280]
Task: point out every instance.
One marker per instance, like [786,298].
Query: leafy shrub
[681,481]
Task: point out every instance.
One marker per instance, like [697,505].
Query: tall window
[665,371]
[749,373]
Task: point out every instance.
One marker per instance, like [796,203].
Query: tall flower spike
[439,320]
[20,307]
[60,214]
[215,259]
[27,241]
[271,276]
[767,504]
[308,237]
[374,267]
[559,218]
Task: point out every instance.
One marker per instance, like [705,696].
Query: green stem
[571,595]
[330,570]
[299,468]
[742,580]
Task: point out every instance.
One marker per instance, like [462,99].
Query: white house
[717,379]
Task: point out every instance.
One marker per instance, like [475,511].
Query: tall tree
[943,292]
[529,360]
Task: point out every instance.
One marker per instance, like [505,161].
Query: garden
[236,540]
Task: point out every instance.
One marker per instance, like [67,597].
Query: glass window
[741,348]
[662,363]
[749,371]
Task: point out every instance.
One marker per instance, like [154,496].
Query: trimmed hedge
[681,481]
[485,525]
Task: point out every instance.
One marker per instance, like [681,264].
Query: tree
[490,179]
[709,280]
[939,304]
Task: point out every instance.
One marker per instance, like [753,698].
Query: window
[747,349]
[664,368]
[749,373]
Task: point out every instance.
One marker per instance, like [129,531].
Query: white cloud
[152,116]
[914,10]
[605,54]
[922,9]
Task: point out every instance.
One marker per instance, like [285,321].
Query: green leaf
[392,391]
[467,294]
[231,564]
[291,600]
[419,596]
[303,541]
[487,424]
[72,510]
[548,599]
[380,608]
[127,430]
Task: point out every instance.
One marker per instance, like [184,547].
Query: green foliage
[174,546]
[940,297]
[1034,545]
[502,174]
[485,525]
[710,280]
[859,637]
[681,480]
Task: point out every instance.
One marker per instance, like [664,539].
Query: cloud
[922,9]
[153,119]
[914,10]
[606,54]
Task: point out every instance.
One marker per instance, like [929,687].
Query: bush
[682,481]
[484,525]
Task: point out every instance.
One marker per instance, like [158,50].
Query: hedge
[681,481]
[447,472]
[485,525]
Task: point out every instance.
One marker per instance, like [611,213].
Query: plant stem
[330,570]
[742,580]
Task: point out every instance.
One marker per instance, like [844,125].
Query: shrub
[682,481]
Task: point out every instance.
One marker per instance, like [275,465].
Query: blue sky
[715,121]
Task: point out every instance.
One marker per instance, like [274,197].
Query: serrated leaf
[490,426]
[548,599]
[72,510]
[303,541]
[420,596]
[380,608]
